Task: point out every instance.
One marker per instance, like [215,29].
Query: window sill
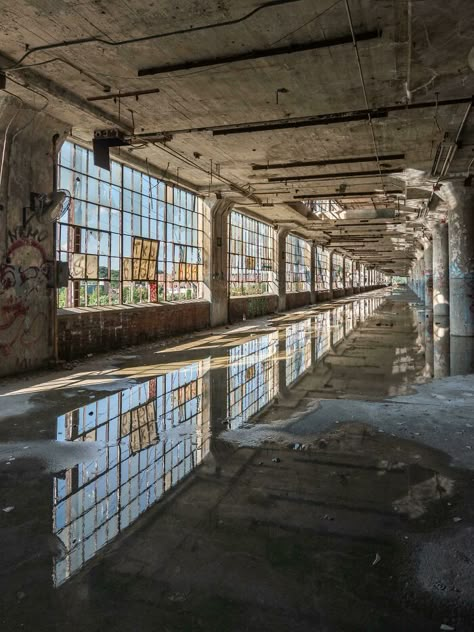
[237,298]
[65,311]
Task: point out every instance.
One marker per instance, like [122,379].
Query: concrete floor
[301,472]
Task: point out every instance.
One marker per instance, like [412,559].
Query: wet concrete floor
[301,472]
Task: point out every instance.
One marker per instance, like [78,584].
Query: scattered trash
[260,462]
[327,517]
[323,444]
[177,597]
[376,560]
[457,519]
[446,628]
[89,355]
[275,460]
[8,509]
[297,446]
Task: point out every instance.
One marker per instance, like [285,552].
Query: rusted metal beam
[257,54]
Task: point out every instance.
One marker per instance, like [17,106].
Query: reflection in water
[153,434]
[441,347]
[323,334]
[298,349]
[337,324]
[252,378]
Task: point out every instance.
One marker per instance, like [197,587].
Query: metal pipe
[256,54]
[323,163]
[306,121]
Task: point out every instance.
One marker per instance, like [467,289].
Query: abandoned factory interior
[236,316]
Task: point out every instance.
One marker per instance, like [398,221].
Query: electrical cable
[10,123]
[135,40]
[236,187]
[315,17]
[364,90]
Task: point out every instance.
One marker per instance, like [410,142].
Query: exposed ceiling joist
[310,121]
[351,194]
[257,54]
[328,161]
[329,176]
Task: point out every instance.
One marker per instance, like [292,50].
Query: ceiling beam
[328,176]
[308,121]
[257,54]
[353,194]
[329,161]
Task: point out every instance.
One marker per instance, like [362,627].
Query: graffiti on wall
[23,295]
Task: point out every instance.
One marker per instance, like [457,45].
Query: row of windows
[128,237]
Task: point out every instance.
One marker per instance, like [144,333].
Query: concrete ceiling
[407,53]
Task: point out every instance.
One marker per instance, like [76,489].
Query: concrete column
[313,274]
[461,258]
[281,241]
[30,141]
[331,275]
[428,263]
[440,270]
[461,355]
[356,277]
[220,262]
[441,341]
[429,345]
[348,277]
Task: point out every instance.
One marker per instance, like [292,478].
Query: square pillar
[219,286]
[32,141]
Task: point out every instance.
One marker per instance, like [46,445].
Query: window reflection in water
[298,349]
[252,378]
[337,322]
[153,433]
[323,334]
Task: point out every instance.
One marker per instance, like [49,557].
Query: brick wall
[83,331]
[252,306]
[323,295]
[297,299]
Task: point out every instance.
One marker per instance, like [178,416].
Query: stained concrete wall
[27,301]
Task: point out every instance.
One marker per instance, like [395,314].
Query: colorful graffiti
[23,295]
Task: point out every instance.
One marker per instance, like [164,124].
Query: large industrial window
[298,264]
[252,378]
[337,271]
[127,237]
[251,256]
[152,435]
[348,272]
[322,269]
